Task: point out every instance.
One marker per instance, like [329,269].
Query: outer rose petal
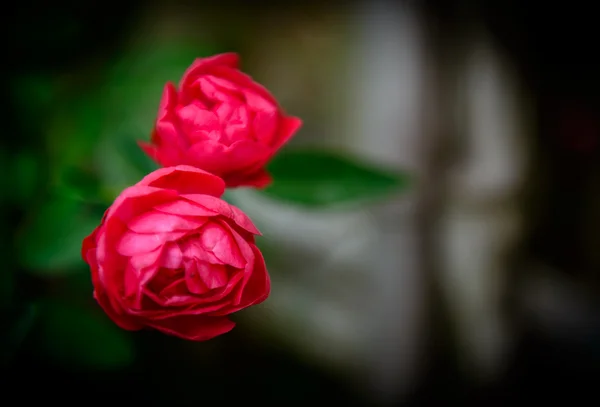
[151,151]
[99,292]
[89,243]
[205,65]
[258,287]
[121,320]
[167,141]
[194,327]
[256,290]
[288,127]
[135,200]
[244,81]
[185,179]
[168,102]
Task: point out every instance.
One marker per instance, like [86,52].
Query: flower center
[201,276]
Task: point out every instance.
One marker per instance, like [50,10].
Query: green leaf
[317,178]
[80,337]
[50,242]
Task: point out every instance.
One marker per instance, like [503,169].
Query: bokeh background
[442,247]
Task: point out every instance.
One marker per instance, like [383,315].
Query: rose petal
[123,321]
[223,84]
[185,208]
[176,289]
[196,122]
[193,249]
[89,244]
[170,142]
[109,266]
[245,82]
[201,277]
[221,244]
[167,142]
[225,209]
[211,91]
[165,134]
[132,243]
[133,288]
[163,278]
[288,126]
[100,294]
[258,103]
[185,179]
[212,301]
[157,222]
[179,301]
[135,200]
[151,151]
[223,160]
[147,259]
[258,287]
[172,256]
[205,65]
[194,328]
[246,251]
[147,263]
[264,126]
[168,102]
[213,156]
[237,127]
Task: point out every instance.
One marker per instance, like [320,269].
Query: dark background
[554,48]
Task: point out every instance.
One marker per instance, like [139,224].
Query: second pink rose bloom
[221,121]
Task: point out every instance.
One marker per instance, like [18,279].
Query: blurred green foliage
[90,123]
[51,242]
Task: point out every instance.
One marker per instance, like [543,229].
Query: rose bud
[221,121]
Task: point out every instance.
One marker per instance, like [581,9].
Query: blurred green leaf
[318,178]
[80,337]
[50,243]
